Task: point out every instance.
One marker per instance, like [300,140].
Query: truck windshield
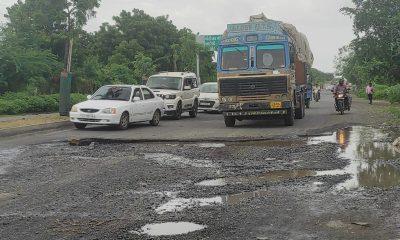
[271,56]
[209,88]
[113,93]
[235,58]
[161,82]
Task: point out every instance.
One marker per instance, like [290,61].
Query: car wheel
[80,125]
[178,112]
[230,121]
[156,118]
[124,121]
[195,109]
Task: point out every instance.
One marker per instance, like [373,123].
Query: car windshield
[235,58]
[271,56]
[209,88]
[171,83]
[113,93]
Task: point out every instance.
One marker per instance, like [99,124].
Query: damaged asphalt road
[342,185]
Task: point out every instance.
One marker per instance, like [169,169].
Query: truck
[263,68]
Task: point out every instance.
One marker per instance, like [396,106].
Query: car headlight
[223,100]
[109,111]
[170,96]
[74,108]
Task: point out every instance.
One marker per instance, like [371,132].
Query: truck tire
[300,112]
[289,118]
[230,121]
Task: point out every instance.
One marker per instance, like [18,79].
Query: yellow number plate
[276,105]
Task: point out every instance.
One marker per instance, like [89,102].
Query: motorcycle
[342,102]
[317,96]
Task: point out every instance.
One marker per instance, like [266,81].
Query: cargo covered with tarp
[260,23]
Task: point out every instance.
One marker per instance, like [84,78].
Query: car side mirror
[135,99]
[187,88]
[89,97]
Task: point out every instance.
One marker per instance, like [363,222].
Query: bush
[17,103]
[393,93]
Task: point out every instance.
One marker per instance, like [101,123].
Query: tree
[143,67]
[375,53]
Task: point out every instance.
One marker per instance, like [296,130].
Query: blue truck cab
[260,74]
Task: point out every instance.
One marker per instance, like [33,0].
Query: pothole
[180,204]
[179,161]
[169,229]
[272,176]
[369,151]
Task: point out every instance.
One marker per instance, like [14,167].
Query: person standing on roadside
[370,92]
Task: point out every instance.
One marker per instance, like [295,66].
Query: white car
[118,105]
[180,91]
[209,100]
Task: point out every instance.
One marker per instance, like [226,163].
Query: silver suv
[180,91]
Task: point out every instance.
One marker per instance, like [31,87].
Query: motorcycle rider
[342,87]
[317,91]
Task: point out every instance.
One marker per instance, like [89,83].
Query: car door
[150,103]
[138,108]
[187,94]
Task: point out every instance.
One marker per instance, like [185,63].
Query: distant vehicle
[179,90]
[208,100]
[118,105]
[263,71]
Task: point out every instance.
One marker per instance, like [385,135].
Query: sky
[326,28]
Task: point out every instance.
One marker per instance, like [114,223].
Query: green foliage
[119,74]
[375,53]
[17,103]
[320,77]
[393,93]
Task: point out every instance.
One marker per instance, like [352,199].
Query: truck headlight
[109,111]
[74,108]
[170,96]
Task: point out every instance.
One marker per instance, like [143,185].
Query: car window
[137,93]
[192,82]
[147,94]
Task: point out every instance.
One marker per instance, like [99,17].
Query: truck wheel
[178,112]
[289,119]
[195,108]
[300,112]
[230,121]
[80,125]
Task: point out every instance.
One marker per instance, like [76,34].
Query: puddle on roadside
[211,145]
[6,157]
[169,229]
[180,204]
[272,176]
[271,143]
[179,161]
[368,150]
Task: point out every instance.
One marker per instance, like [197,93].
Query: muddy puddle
[6,158]
[168,229]
[270,143]
[180,204]
[372,156]
[273,176]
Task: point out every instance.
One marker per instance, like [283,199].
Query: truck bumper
[255,106]
[260,113]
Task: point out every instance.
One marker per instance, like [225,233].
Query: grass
[21,121]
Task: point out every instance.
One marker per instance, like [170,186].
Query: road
[321,117]
[343,184]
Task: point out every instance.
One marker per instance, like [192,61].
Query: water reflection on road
[369,150]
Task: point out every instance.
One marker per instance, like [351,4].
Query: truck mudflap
[256,113]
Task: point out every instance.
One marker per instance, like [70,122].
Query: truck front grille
[253,86]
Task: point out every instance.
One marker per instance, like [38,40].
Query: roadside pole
[198,66]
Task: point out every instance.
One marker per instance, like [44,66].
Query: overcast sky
[326,28]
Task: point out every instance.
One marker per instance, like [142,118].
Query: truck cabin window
[271,56]
[235,58]
[171,83]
